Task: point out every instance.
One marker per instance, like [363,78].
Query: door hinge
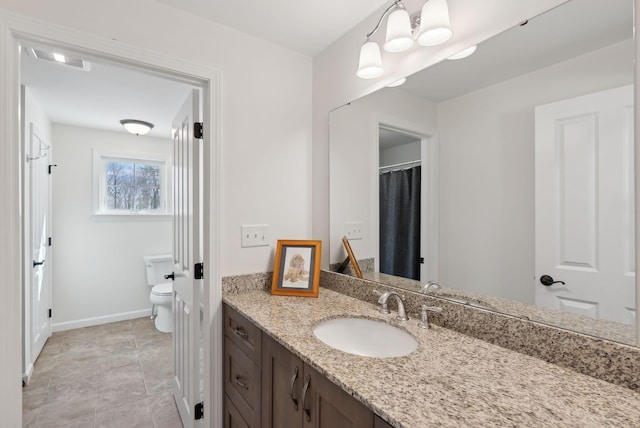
[50,167]
[49,312]
[198,270]
[49,241]
[199,410]
[197,130]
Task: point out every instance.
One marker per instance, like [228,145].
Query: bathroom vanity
[451,379]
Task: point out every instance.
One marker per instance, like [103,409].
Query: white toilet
[162,290]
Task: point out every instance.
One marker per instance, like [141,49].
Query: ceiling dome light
[370,64]
[465,53]
[399,37]
[136,127]
[435,27]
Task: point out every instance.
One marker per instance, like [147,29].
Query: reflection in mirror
[524,161]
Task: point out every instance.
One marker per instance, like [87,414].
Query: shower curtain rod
[399,166]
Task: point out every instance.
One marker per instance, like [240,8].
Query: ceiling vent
[60,58]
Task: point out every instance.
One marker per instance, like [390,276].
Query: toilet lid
[165,289]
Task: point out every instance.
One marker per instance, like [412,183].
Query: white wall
[335,82]
[98,272]
[354,161]
[265,110]
[487,171]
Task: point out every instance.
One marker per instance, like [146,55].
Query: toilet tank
[157,267]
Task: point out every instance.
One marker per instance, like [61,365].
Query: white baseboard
[89,322]
[26,377]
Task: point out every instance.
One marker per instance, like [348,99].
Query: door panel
[186,252]
[38,214]
[584,205]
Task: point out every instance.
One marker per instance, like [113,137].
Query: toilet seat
[165,289]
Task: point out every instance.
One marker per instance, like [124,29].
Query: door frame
[16,30]
[429,212]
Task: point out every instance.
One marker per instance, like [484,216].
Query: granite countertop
[619,332]
[450,380]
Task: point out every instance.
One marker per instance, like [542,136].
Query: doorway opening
[407,203]
[30,33]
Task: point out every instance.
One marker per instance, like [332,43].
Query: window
[127,185]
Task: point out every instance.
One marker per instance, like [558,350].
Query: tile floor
[113,375]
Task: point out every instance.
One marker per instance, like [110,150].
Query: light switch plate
[254,235]
[353,229]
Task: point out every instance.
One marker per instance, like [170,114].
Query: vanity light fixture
[136,127]
[430,28]
[464,53]
[397,83]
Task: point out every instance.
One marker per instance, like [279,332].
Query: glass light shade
[399,37]
[370,64]
[136,127]
[465,53]
[435,27]
[397,83]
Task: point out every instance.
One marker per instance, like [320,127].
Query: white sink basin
[365,337]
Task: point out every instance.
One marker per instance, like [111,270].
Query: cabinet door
[282,375]
[232,417]
[325,405]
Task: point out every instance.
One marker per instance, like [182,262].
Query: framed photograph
[296,271]
[351,257]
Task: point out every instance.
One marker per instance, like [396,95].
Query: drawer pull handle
[293,382]
[307,411]
[241,332]
[240,383]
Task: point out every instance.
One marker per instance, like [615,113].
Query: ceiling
[306,26]
[569,30]
[101,97]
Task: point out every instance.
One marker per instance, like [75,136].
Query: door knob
[547,280]
[35,263]
[171,276]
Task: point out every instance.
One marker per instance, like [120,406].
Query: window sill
[133,216]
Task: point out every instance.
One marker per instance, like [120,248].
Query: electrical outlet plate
[254,235]
[353,229]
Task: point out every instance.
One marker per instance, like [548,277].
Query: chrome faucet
[384,299]
[429,286]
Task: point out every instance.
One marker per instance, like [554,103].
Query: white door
[38,264]
[584,205]
[187,251]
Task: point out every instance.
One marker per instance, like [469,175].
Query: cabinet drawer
[232,417]
[242,383]
[243,333]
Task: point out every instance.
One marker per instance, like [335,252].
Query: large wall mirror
[505,177]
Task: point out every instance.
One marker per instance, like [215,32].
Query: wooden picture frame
[351,257]
[296,270]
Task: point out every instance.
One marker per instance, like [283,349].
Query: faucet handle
[424,317]
[383,301]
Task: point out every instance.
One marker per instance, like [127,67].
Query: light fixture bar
[397,3]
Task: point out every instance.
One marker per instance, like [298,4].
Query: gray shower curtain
[400,223]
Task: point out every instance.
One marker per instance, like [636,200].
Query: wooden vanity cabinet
[242,373]
[296,395]
[265,383]
[378,422]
